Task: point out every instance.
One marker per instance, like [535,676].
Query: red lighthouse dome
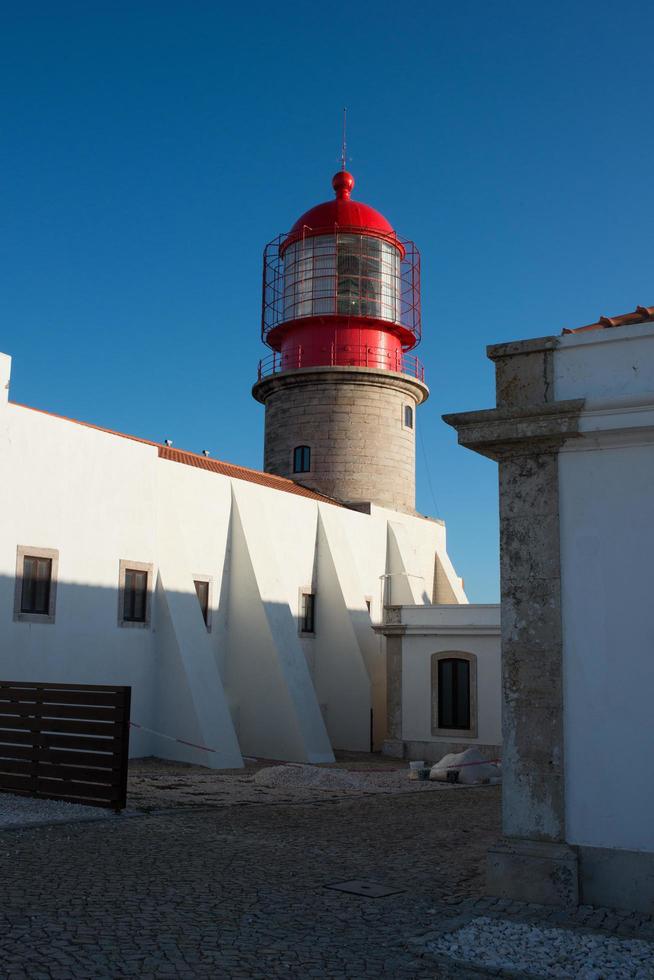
[342,213]
[341,289]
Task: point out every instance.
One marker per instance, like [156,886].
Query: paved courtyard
[237,889]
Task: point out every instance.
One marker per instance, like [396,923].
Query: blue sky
[151,149]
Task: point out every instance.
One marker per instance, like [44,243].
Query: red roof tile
[204,462]
[642,314]
[241,473]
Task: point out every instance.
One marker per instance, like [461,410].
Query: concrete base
[394,748]
[533,871]
[617,879]
[433,751]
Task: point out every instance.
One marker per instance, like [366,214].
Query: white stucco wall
[606,500]
[605,364]
[91,496]
[251,684]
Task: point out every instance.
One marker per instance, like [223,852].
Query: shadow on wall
[203,684]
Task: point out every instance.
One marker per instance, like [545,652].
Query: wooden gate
[65,741]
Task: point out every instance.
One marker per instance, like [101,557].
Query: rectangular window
[135,596]
[35,591]
[453,693]
[408,417]
[307,613]
[134,588]
[202,592]
[301,459]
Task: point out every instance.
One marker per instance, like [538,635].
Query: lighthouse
[341,315]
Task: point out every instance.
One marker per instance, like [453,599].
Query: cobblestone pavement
[238,891]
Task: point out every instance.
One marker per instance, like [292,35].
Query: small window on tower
[408,417]
[301,459]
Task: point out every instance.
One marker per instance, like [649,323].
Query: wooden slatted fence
[65,741]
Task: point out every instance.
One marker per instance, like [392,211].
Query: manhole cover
[369,889]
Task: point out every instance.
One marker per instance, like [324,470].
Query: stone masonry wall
[353,422]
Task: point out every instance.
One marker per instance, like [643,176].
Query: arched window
[408,416]
[454,693]
[301,459]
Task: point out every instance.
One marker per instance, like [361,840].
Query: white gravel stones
[295,776]
[310,776]
[24,810]
[535,951]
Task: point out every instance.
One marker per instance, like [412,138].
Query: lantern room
[341,288]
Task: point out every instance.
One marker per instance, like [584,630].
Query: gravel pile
[533,951]
[310,777]
[24,810]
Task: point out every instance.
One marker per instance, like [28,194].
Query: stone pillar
[524,434]
[353,421]
[393,631]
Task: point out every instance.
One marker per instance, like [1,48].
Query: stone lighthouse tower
[341,311]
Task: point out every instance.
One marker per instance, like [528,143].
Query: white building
[573,432]
[443,680]
[239,605]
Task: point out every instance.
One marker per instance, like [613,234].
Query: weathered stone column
[524,434]
[393,630]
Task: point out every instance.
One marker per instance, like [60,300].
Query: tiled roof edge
[642,314]
[235,472]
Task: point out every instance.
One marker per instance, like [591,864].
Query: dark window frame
[127,594]
[30,600]
[302,459]
[27,607]
[454,710]
[205,603]
[307,617]
[440,719]
[408,416]
[135,596]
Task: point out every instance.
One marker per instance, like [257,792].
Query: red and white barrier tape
[205,748]
[181,741]
[482,762]
[171,738]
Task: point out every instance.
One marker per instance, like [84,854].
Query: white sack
[472,767]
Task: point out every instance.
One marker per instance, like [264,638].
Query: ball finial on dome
[343,182]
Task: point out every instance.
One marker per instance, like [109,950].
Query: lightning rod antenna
[344,149]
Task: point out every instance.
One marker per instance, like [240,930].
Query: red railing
[347,355]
